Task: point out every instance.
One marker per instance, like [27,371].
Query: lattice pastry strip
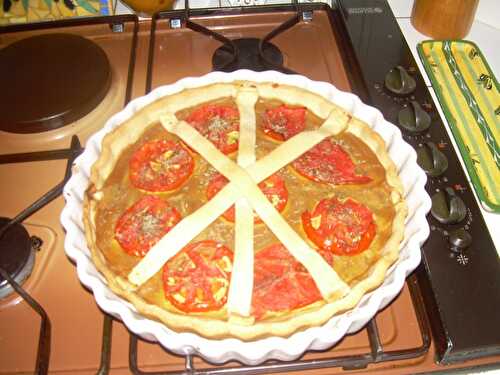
[239,299]
[328,282]
[234,320]
[326,279]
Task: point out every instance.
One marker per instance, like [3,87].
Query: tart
[244,210]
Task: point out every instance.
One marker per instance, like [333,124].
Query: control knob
[447,207]
[413,118]
[459,240]
[432,160]
[399,82]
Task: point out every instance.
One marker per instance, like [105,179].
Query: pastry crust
[239,301]
[338,295]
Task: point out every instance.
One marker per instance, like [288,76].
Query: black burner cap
[49,81]
[248,56]
[15,250]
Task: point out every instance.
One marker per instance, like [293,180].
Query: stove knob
[413,118]
[432,161]
[399,82]
[459,240]
[447,207]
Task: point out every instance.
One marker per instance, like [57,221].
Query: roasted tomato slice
[344,228]
[197,278]
[282,123]
[281,283]
[160,166]
[218,123]
[273,187]
[328,162]
[144,224]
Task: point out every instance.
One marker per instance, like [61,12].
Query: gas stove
[95,66]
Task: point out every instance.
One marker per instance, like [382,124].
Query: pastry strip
[320,106]
[128,135]
[189,98]
[239,300]
[290,150]
[214,326]
[326,279]
[246,100]
[185,231]
[182,233]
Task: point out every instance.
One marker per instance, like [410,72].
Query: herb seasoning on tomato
[344,228]
[197,278]
[281,283]
[329,162]
[160,166]
[283,122]
[273,187]
[144,223]
[220,124]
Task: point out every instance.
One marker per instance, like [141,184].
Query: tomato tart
[243,209]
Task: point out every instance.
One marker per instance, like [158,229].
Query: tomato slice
[144,224]
[328,162]
[220,124]
[344,228]
[283,122]
[273,187]
[281,283]
[160,165]
[197,278]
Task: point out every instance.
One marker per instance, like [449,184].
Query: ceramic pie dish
[253,350]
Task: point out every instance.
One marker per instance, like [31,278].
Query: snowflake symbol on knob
[462,259]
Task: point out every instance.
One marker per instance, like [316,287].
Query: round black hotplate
[49,81]
[16,255]
[248,56]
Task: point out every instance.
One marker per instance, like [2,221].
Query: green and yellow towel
[22,11]
[469,94]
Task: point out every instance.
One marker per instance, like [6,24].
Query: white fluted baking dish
[253,352]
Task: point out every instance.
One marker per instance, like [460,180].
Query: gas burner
[50,81]
[17,255]
[248,56]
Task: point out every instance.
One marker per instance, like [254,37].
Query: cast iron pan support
[203,30]
[185,18]
[280,29]
[43,352]
[48,197]
[191,25]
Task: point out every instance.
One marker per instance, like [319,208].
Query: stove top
[358,47]
[70,75]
